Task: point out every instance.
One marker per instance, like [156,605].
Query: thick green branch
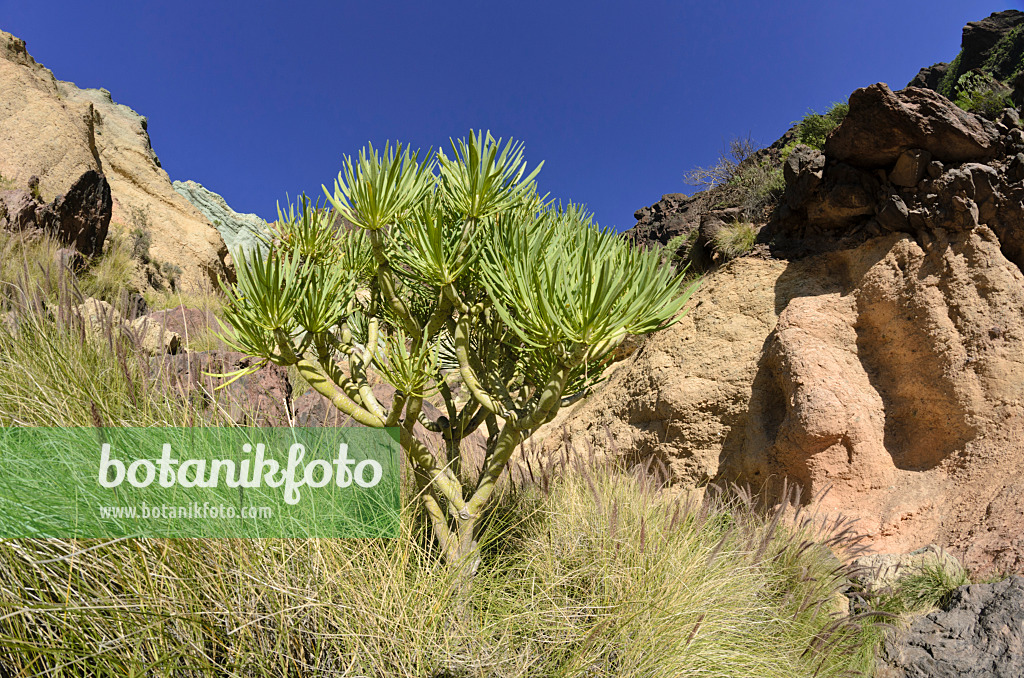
[469,377]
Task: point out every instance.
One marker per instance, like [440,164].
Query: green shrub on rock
[736,239]
[814,128]
[980,93]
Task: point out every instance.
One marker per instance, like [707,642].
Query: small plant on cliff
[735,240]
[980,93]
[140,236]
[814,128]
[725,170]
[457,282]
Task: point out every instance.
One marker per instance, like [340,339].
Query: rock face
[675,214]
[979,635]
[683,395]
[58,132]
[239,231]
[994,45]
[879,354]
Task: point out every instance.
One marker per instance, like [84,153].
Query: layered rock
[58,132]
[239,231]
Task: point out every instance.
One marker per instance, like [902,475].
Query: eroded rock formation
[880,352]
[58,132]
[80,218]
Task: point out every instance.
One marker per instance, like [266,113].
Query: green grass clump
[735,240]
[109,276]
[601,574]
[55,372]
[928,589]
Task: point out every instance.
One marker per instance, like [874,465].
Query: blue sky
[258,99]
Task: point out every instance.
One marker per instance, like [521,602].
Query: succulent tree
[454,281]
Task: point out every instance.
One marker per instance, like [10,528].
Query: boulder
[803,172]
[102,321]
[154,338]
[98,317]
[980,634]
[910,167]
[882,124]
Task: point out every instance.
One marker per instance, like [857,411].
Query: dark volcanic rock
[979,635]
[929,77]
[905,162]
[80,218]
[675,214]
[83,214]
[883,124]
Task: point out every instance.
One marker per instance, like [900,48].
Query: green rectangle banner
[199,482]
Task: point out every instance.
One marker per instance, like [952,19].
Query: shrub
[472,280]
[139,236]
[734,240]
[724,171]
[814,128]
[980,93]
[757,186]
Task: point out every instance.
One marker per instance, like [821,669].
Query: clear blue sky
[258,99]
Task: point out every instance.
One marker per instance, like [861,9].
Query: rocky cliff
[876,351]
[57,132]
[994,45]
